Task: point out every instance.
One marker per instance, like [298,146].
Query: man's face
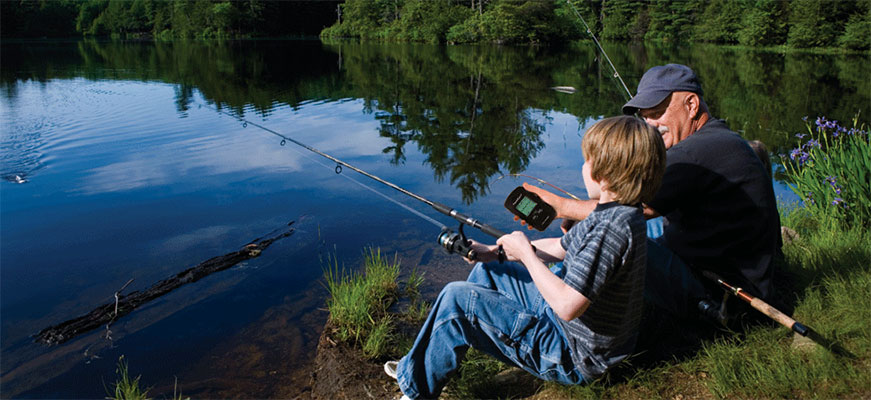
[671,117]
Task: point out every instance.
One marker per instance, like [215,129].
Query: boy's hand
[516,246]
[486,253]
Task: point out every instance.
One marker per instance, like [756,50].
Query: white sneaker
[390,369]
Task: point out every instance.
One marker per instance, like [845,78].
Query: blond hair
[627,156]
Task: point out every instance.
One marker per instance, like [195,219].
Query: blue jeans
[669,283]
[498,311]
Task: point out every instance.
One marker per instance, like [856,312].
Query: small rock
[802,343]
[788,234]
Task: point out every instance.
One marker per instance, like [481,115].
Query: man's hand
[516,246]
[566,208]
[548,197]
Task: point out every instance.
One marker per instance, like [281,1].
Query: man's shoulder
[713,139]
[715,130]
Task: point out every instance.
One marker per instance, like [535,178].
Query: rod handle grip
[774,313]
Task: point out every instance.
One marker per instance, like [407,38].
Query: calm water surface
[130,172]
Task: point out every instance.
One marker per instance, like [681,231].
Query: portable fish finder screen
[530,208]
[525,206]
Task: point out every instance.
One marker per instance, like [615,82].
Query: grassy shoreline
[831,274]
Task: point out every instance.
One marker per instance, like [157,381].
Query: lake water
[135,166]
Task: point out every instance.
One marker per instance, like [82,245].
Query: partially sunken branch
[122,305]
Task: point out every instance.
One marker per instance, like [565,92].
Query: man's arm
[565,207]
[650,213]
[566,302]
[577,210]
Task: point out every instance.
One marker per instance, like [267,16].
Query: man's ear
[693,104]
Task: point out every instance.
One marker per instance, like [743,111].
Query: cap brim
[645,100]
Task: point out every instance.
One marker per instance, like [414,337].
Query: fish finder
[530,208]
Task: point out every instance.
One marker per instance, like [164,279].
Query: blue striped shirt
[605,261]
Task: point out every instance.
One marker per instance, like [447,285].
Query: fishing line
[373,190]
[453,242]
[590,31]
[338,167]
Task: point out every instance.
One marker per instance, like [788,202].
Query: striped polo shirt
[605,261]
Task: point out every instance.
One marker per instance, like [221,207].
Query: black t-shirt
[719,204]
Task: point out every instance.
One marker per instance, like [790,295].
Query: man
[717,200]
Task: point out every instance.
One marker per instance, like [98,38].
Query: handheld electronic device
[530,208]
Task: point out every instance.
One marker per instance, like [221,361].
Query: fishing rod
[779,316]
[590,31]
[453,242]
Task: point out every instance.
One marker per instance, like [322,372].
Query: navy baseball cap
[658,82]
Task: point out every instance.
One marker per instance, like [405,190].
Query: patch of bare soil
[342,372]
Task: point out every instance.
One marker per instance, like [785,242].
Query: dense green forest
[795,23]
[165,19]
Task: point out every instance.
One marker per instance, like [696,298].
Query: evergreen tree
[764,24]
[720,21]
[670,20]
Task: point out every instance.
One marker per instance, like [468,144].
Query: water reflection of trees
[468,110]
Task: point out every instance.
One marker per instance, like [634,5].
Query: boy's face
[594,190]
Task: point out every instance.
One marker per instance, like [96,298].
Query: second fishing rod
[521,202]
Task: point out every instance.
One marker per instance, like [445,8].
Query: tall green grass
[359,304]
[127,388]
[832,267]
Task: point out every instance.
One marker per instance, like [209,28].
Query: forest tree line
[165,19]
[793,23]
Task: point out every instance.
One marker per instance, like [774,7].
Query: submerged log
[125,304]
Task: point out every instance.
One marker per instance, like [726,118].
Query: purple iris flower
[812,143]
[837,201]
[800,135]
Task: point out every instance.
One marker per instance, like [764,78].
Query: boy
[567,324]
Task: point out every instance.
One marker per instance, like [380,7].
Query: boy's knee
[457,289]
[457,295]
